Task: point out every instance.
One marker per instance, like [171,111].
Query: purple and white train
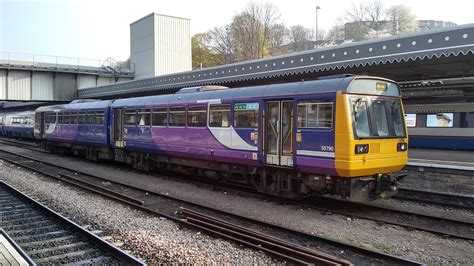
[342,136]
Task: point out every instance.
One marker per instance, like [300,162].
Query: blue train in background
[441,126]
[17,124]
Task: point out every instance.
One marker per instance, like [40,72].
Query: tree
[251,30]
[300,37]
[356,29]
[403,21]
[202,55]
[376,13]
[222,43]
[278,37]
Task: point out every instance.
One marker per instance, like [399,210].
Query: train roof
[86,105]
[315,86]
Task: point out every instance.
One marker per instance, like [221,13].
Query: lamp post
[316,29]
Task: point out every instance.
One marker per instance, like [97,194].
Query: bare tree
[402,19]
[251,30]
[375,11]
[356,29]
[221,41]
[300,37]
[278,36]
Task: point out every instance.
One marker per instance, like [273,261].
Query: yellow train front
[370,142]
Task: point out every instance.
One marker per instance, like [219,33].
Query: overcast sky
[99,29]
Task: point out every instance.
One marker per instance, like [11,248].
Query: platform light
[362,148]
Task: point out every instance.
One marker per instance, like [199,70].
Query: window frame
[203,107]
[128,112]
[99,113]
[317,102]
[170,115]
[146,111]
[233,117]
[209,115]
[165,111]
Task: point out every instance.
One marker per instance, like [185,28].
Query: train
[441,126]
[343,136]
[17,124]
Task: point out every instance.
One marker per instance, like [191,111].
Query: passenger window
[177,116]
[90,117]
[246,115]
[82,118]
[197,116]
[315,114]
[439,120]
[219,115]
[99,118]
[144,117]
[159,116]
[67,118]
[60,118]
[130,118]
[74,117]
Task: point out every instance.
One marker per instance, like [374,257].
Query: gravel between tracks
[153,240]
[416,245]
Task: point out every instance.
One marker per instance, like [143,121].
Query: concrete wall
[43,85]
[142,53]
[160,45]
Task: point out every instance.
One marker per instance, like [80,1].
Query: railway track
[49,238]
[218,222]
[429,223]
[442,199]
[420,196]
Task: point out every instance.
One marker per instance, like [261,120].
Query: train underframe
[275,181]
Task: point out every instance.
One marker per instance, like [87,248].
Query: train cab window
[144,117]
[219,115]
[246,115]
[90,118]
[397,118]
[315,114]
[361,117]
[197,116]
[177,116]
[159,116]
[130,117]
[82,118]
[381,118]
[99,117]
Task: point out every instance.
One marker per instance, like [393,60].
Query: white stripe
[228,137]
[316,153]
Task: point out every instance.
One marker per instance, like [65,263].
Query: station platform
[449,159]
[11,253]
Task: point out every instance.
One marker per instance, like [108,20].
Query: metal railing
[51,62]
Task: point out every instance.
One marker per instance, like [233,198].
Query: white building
[160,45]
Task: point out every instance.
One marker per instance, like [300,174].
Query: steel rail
[116,253]
[125,199]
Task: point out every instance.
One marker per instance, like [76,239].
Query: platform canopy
[434,54]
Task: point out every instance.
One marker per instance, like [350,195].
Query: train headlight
[362,148]
[402,146]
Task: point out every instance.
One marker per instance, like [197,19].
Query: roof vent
[201,89]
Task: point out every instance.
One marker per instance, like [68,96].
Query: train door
[118,127]
[279,133]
